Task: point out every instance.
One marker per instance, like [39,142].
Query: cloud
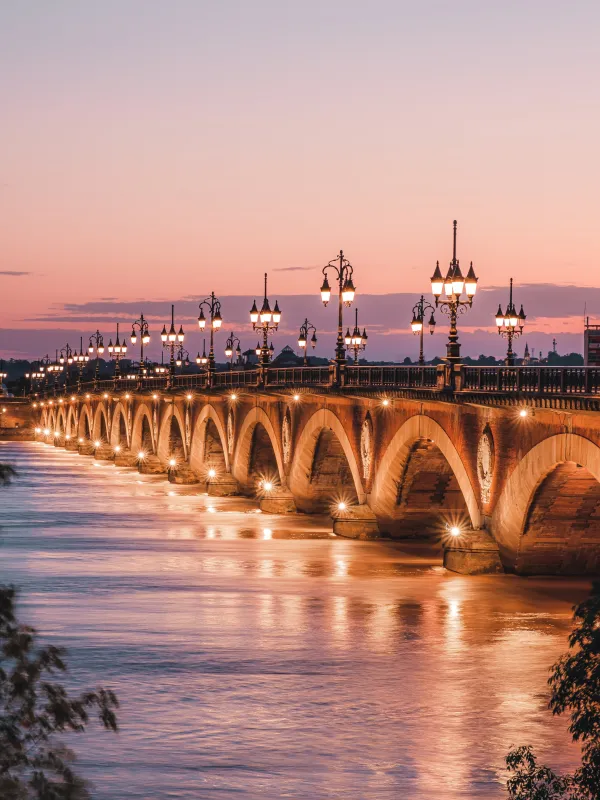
[14,273]
[293,269]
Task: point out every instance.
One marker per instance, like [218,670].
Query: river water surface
[261,657]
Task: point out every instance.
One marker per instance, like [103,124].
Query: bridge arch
[546,518]
[142,437]
[209,442]
[391,470]
[61,421]
[119,433]
[257,446]
[71,422]
[86,425]
[322,433]
[171,436]
[101,426]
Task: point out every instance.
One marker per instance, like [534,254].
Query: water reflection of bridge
[508,455]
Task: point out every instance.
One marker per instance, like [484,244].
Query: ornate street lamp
[213,307]
[117,351]
[418,323]
[55,368]
[230,344]
[266,321]
[182,357]
[510,325]
[96,345]
[453,285]
[160,369]
[343,270]
[80,358]
[356,341]
[202,360]
[65,360]
[141,325]
[170,341]
[305,329]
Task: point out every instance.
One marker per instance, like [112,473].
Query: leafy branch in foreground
[35,710]
[575,688]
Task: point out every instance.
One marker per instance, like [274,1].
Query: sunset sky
[151,152]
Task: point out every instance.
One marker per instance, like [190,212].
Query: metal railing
[532,380]
[528,381]
[401,377]
[298,376]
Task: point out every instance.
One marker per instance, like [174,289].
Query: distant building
[591,344]
[526,355]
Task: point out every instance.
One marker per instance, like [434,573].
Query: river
[262,657]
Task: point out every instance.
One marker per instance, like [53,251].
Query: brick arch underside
[561,534]
[546,520]
[428,495]
[331,479]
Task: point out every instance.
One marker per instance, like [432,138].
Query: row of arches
[546,520]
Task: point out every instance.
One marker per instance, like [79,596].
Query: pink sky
[158,150]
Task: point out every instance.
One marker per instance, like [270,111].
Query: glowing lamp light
[212,473]
[348,292]
[385,402]
[437,282]
[189,396]
[296,397]
[454,530]
[72,398]
[38,430]
[96,444]
[155,397]
[68,436]
[268,486]
[61,401]
[141,455]
[267,533]
[105,396]
[523,412]
[46,432]
[80,440]
[341,506]
[56,433]
[117,448]
[172,462]
[233,396]
[127,396]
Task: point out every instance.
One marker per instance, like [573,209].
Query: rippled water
[259,656]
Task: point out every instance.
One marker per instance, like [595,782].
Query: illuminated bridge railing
[298,376]
[532,380]
[400,377]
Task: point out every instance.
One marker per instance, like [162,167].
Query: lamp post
[418,323]
[343,270]
[202,360]
[230,344]
[182,357]
[213,307]
[510,325]
[140,325]
[65,357]
[117,351]
[453,286]
[357,341]
[80,358]
[266,321]
[96,345]
[169,341]
[55,368]
[305,329]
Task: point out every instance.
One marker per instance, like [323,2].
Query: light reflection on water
[258,656]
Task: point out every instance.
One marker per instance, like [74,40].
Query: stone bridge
[503,480]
